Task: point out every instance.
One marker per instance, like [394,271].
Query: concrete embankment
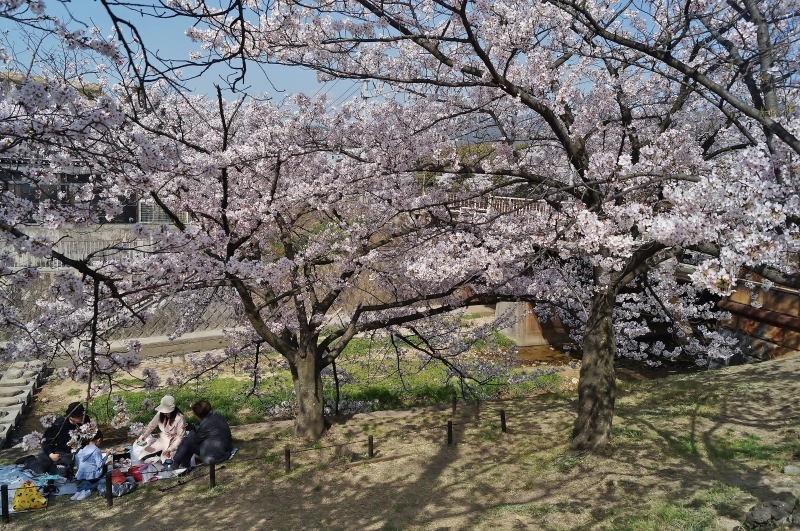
[17,386]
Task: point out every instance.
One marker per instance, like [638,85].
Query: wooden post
[503,420]
[370,447]
[455,401]
[449,432]
[212,474]
[287,456]
[4,501]
[477,409]
[109,494]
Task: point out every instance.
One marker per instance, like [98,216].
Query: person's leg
[85,484]
[184,453]
[156,446]
[41,465]
[64,466]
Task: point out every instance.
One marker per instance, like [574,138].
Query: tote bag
[27,497]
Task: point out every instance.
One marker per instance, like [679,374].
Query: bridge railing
[498,204]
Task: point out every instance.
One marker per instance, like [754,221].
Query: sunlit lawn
[369,379]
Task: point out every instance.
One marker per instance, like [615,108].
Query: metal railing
[497,204]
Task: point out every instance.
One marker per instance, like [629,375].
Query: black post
[287,455]
[449,432]
[370,447]
[477,409]
[4,501]
[503,420]
[109,494]
[212,473]
[455,401]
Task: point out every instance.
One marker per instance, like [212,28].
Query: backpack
[27,497]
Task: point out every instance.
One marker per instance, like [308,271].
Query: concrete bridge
[768,330]
[527,330]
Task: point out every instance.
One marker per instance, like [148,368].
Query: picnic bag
[27,497]
[136,473]
[117,477]
[142,473]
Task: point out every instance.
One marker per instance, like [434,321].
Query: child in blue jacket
[91,467]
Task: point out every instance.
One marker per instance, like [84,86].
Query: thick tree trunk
[310,422]
[596,387]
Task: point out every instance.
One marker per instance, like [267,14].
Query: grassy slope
[692,452]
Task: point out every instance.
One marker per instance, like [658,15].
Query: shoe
[82,495]
[75,496]
[183,471]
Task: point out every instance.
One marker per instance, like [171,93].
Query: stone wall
[216,316]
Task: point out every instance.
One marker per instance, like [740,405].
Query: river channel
[627,369]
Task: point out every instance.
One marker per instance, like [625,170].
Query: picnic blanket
[16,475]
[137,452]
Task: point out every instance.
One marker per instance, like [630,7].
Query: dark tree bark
[596,386]
[310,422]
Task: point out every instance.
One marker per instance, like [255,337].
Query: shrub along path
[689,452]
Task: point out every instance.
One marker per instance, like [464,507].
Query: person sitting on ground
[91,463]
[56,456]
[172,427]
[212,440]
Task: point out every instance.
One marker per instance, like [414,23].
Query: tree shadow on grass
[667,446]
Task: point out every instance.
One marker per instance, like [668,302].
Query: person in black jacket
[212,440]
[56,456]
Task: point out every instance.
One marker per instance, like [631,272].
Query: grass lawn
[369,380]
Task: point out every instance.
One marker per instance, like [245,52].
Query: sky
[167,36]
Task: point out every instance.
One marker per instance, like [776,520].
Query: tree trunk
[596,387]
[310,422]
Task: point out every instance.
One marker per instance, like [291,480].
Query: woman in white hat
[172,429]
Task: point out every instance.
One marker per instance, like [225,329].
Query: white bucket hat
[167,404]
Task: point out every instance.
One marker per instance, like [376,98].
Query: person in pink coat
[172,429]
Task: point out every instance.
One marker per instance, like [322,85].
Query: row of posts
[287,455]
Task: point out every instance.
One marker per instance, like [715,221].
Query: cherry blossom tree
[656,135]
[291,207]
[297,209]
[652,131]
[314,222]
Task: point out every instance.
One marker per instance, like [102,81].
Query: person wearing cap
[172,429]
[56,456]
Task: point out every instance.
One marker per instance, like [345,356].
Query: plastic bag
[121,489]
[142,473]
[148,471]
